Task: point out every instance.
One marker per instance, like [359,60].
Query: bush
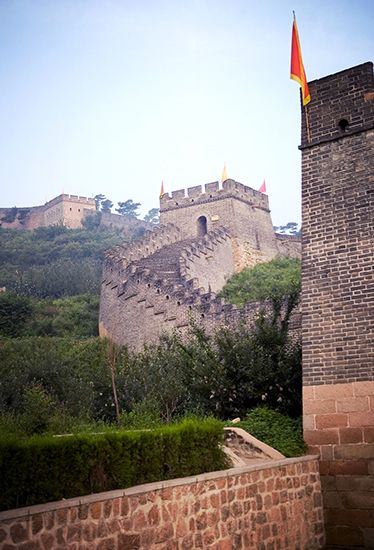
[44,469]
[275,429]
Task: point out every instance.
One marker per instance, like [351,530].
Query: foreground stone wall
[274,505]
[337,298]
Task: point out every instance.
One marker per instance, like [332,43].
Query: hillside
[52,262]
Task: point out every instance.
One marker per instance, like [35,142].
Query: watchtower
[337,298]
[240,209]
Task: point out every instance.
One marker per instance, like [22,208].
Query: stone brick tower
[243,211]
[156,284]
[337,298]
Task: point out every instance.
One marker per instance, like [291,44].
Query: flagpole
[307,123]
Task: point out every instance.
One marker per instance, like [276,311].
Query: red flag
[297,66]
[263,187]
[162,192]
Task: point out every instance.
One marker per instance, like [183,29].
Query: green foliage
[291,228]
[128,208]
[224,374]
[75,316]
[73,372]
[153,216]
[44,469]
[275,429]
[54,261]
[38,406]
[10,215]
[276,280]
[15,311]
[92,221]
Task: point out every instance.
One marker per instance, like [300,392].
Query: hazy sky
[112,96]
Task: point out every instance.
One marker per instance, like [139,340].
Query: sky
[114,96]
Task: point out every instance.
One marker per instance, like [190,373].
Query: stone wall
[337,298]
[68,210]
[243,211]
[274,505]
[158,284]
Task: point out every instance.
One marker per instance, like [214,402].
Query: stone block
[359,500]
[354,451]
[333,391]
[351,435]
[361,419]
[319,437]
[331,420]
[344,536]
[349,467]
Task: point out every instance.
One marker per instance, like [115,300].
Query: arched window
[201,226]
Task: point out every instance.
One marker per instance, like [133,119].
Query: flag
[224,176]
[297,66]
[263,187]
[162,192]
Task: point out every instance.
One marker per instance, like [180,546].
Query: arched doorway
[201,226]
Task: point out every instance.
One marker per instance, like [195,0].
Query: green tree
[153,216]
[128,208]
[15,311]
[98,200]
[278,281]
[106,206]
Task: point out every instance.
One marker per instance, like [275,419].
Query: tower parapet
[191,196]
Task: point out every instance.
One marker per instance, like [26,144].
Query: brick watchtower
[240,209]
[337,298]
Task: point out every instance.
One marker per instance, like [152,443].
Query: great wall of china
[157,284]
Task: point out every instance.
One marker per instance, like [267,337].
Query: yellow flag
[224,176]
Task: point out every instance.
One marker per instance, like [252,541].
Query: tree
[15,311]
[278,281]
[291,228]
[106,206]
[153,216]
[128,208]
[98,200]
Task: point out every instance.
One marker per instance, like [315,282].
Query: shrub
[43,469]
[275,429]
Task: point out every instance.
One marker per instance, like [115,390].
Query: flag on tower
[263,187]
[162,192]
[297,66]
[224,176]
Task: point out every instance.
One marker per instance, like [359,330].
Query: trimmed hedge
[44,469]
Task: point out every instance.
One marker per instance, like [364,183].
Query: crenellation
[211,187]
[179,194]
[194,191]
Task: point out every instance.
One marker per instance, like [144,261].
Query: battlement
[182,198]
[64,197]
[342,105]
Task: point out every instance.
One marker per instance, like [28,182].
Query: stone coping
[147,487]
[270,452]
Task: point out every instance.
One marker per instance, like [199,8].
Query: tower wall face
[240,209]
[337,298]
[68,210]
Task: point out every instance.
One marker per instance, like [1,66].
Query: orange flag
[162,192]
[263,187]
[297,66]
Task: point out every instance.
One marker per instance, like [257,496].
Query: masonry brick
[195,518]
[337,302]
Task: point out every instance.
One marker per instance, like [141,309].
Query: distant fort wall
[67,210]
